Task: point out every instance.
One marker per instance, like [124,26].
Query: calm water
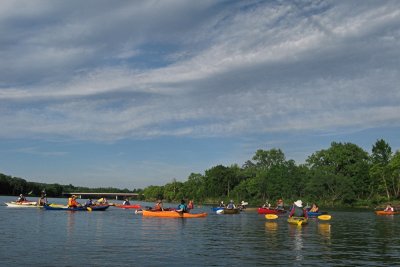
[117,237]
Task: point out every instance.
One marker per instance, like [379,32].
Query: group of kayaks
[270,213]
[32,204]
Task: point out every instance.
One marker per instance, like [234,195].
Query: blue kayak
[217,208]
[82,208]
[316,214]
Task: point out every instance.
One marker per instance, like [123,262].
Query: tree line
[342,175]
[14,186]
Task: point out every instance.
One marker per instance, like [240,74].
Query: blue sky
[138,93]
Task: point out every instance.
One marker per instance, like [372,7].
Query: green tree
[341,171]
[381,156]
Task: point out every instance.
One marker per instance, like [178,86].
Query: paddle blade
[325,217]
[89,208]
[271,216]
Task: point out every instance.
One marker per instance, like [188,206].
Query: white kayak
[25,204]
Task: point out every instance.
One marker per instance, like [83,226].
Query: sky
[129,94]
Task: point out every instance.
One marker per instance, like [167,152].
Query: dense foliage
[343,174]
[15,186]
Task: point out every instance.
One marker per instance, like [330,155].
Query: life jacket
[72,202]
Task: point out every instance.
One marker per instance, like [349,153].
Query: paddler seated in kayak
[21,198]
[102,201]
[72,203]
[297,210]
[190,205]
[231,205]
[279,204]
[182,207]
[89,202]
[158,206]
[222,204]
[266,205]
[126,202]
[43,199]
[389,207]
[314,208]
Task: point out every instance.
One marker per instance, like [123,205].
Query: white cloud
[271,67]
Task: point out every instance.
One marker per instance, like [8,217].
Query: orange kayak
[172,214]
[382,212]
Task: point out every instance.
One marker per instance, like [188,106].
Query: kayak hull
[270,211]
[135,206]
[228,211]
[217,208]
[172,214]
[26,204]
[297,220]
[313,214]
[382,212]
[83,208]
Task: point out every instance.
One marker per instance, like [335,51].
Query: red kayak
[270,211]
[134,206]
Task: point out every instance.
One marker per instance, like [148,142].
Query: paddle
[325,217]
[271,216]
[88,208]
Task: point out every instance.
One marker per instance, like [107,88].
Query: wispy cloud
[206,69]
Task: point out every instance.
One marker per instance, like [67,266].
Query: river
[118,237]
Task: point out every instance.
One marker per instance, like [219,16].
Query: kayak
[297,220]
[217,208]
[24,204]
[133,206]
[81,208]
[172,214]
[313,214]
[382,212]
[270,211]
[228,211]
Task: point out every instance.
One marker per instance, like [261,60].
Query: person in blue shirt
[89,202]
[182,207]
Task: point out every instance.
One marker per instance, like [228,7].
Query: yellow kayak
[297,220]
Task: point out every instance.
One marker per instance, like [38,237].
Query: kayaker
[126,202]
[389,207]
[280,205]
[190,205]
[21,198]
[266,205]
[222,204]
[102,200]
[43,199]
[297,210]
[182,207]
[314,208]
[89,202]
[231,205]
[159,205]
[72,203]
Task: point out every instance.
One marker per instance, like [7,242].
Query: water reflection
[324,229]
[271,226]
[296,234]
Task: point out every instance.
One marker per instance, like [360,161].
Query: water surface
[118,237]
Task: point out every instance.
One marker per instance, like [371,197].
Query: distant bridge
[99,195]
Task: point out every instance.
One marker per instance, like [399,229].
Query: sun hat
[299,203]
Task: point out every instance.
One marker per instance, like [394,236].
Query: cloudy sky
[137,93]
